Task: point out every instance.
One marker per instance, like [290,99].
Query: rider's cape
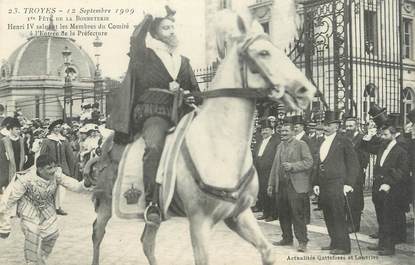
[120,116]
[146,71]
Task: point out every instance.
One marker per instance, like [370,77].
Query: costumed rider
[154,63]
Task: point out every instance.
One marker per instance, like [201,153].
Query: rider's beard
[171,41]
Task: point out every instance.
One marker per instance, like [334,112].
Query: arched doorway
[408,100]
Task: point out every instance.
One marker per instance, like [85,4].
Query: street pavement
[121,243]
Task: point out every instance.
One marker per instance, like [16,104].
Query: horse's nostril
[301,91]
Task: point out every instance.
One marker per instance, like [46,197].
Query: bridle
[246,62]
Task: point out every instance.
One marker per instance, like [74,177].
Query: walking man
[33,193]
[290,178]
[337,170]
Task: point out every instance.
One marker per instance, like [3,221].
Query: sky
[189,24]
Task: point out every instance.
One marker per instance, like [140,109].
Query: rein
[232,92]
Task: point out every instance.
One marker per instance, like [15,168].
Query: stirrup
[152,206]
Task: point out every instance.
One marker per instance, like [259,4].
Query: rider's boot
[152,214]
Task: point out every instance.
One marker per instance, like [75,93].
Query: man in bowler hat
[335,175]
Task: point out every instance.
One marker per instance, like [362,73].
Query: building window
[225,4]
[407,38]
[265,26]
[408,100]
[370,25]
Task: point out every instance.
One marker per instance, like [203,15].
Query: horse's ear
[241,25]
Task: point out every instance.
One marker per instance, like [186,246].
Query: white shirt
[325,146]
[171,59]
[386,152]
[263,145]
[300,135]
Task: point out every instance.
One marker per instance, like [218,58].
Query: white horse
[222,128]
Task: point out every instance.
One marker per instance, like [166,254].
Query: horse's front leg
[246,226]
[148,240]
[200,227]
[103,210]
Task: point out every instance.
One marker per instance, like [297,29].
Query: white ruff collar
[7,133]
[170,57]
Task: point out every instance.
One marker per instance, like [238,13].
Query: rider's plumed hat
[169,14]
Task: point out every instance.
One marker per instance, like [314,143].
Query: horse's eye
[264,53]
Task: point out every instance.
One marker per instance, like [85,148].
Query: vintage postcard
[207,132]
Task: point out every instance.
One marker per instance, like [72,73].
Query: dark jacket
[263,163]
[340,165]
[362,155]
[394,171]
[61,152]
[145,70]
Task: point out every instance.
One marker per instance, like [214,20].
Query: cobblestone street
[121,244]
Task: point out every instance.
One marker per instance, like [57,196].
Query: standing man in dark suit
[264,153]
[290,179]
[356,197]
[336,173]
[391,173]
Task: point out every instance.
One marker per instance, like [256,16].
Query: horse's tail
[105,172]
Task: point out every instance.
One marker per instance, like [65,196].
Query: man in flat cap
[290,179]
[335,175]
[154,64]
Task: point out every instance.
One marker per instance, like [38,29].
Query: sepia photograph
[197,132]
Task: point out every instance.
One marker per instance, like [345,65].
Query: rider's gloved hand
[188,97]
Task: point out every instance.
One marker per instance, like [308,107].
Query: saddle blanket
[129,184]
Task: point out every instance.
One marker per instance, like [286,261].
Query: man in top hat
[290,179]
[411,154]
[263,154]
[390,180]
[334,177]
[57,147]
[12,155]
[378,115]
[356,197]
[154,64]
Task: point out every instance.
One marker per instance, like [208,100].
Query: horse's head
[263,65]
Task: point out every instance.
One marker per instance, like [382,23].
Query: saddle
[128,200]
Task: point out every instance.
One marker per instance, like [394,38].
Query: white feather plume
[285,22]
